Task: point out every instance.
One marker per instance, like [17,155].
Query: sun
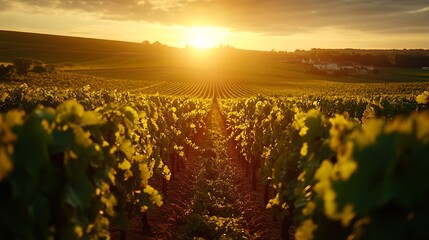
[205,37]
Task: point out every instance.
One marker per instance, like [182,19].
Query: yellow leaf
[130,112]
[305,230]
[14,117]
[301,177]
[145,174]
[155,196]
[91,118]
[112,174]
[274,201]
[127,148]
[325,170]
[309,209]
[81,137]
[78,231]
[110,202]
[46,126]
[166,172]
[304,149]
[72,154]
[423,98]
[144,209]
[6,164]
[125,165]
[70,107]
[128,174]
[3,96]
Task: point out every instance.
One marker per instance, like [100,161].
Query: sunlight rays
[205,37]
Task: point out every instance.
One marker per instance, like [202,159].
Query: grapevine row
[206,85]
[334,177]
[71,168]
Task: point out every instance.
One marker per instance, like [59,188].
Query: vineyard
[211,83]
[101,164]
[228,144]
[329,175]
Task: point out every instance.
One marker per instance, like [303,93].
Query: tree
[39,69]
[26,65]
[6,72]
[22,65]
[157,44]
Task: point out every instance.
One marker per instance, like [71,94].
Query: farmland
[200,73]
[130,141]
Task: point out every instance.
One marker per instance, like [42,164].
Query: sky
[246,24]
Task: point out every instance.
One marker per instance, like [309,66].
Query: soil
[170,219]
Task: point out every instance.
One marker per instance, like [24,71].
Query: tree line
[407,58]
[22,66]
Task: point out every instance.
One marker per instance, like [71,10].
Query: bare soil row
[213,188]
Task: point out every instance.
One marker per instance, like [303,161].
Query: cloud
[4,5]
[268,17]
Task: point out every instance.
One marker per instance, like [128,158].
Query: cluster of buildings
[346,67]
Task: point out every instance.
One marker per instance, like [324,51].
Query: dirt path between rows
[260,220]
[168,220]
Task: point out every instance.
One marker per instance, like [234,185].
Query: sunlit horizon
[262,26]
[203,42]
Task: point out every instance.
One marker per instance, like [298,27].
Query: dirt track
[169,220]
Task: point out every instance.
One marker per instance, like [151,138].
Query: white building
[332,67]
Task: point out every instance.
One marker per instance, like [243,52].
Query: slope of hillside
[86,51]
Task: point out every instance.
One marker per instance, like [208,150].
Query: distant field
[289,81]
[404,74]
[208,84]
[223,73]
